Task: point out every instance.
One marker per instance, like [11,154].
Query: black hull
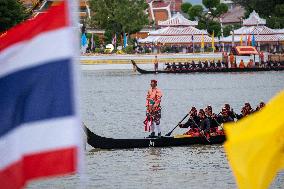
[97,141]
[216,70]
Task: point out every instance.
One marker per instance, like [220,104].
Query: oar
[169,134]
[200,130]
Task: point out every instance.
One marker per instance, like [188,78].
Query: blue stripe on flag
[34,94]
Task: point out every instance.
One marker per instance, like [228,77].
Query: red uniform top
[153,98]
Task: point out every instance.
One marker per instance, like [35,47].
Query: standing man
[156,63]
[153,105]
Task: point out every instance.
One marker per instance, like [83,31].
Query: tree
[123,16]
[207,20]
[185,7]
[195,12]
[271,10]
[12,12]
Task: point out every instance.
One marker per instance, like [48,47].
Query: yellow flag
[241,40]
[213,42]
[202,41]
[255,146]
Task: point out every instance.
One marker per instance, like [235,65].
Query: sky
[194,2]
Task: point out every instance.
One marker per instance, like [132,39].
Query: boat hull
[97,141]
[209,70]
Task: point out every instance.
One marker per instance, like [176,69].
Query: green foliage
[272,10]
[210,4]
[98,50]
[195,11]
[123,16]
[129,49]
[221,9]
[227,29]
[185,7]
[12,12]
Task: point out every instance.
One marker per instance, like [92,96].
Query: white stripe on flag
[39,137]
[39,50]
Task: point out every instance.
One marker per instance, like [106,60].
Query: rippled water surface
[113,105]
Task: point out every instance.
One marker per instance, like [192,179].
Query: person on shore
[153,105]
[156,63]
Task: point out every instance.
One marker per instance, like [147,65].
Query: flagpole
[222,34]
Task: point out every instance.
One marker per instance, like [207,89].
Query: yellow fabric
[241,40]
[255,146]
[202,41]
[213,42]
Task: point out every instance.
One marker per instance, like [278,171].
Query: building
[266,39]
[233,16]
[40,6]
[178,31]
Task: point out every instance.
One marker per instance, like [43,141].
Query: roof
[233,16]
[178,20]
[173,31]
[176,39]
[262,30]
[246,50]
[254,20]
[279,31]
[258,38]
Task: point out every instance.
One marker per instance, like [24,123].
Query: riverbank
[146,59]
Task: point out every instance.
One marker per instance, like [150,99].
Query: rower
[212,118]
[153,105]
[248,108]
[243,114]
[230,111]
[205,64]
[174,67]
[204,125]
[224,117]
[192,121]
[168,66]
[199,65]
[260,106]
[212,64]
[219,64]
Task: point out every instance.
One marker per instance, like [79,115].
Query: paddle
[200,130]
[169,134]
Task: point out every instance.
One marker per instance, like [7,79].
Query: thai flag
[40,132]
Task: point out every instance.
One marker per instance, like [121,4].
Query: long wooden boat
[97,141]
[208,70]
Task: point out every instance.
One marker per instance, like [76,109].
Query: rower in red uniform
[153,105]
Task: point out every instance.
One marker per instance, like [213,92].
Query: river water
[113,105]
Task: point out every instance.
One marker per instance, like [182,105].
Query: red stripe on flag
[55,18]
[39,165]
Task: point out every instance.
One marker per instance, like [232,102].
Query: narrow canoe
[100,142]
[208,70]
